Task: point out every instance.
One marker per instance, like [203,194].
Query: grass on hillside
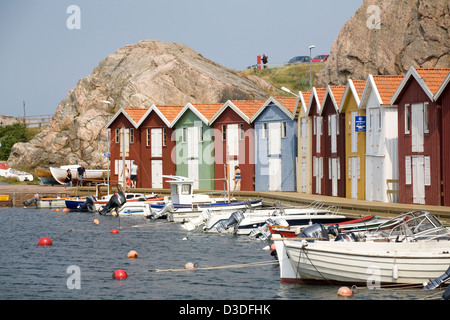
[295,77]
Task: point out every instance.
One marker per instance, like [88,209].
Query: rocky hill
[136,75]
[387,37]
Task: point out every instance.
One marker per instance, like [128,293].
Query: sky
[46,46]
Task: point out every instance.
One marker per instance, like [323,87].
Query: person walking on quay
[134,170]
[68,179]
[81,174]
[237,178]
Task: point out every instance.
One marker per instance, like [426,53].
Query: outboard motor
[88,204]
[437,282]
[233,220]
[29,202]
[116,201]
[316,231]
[446,294]
[346,237]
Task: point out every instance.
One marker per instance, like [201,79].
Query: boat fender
[395,272]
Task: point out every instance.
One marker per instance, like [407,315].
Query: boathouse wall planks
[419,136]
[276,145]
[442,98]
[234,143]
[334,138]
[355,139]
[304,134]
[381,179]
[195,144]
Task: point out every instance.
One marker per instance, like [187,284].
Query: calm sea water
[32,272]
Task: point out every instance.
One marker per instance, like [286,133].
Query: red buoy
[114,231]
[120,274]
[45,241]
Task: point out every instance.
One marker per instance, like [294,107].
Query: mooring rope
[203,268]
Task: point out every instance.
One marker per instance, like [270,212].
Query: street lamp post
[310,63]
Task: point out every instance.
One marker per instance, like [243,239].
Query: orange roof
[170,112]
[248,107]
[359,86]
[386,86]
[433,77]
[135,113]
[208,110]
[338,93]
[320,94]
[306,97]
[288,102]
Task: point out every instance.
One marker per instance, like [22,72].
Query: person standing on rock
[265,59]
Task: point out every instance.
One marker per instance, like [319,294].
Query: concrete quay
[19,193]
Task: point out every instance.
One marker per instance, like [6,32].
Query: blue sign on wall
[360,124]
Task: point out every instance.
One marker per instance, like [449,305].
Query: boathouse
[381,159]
[234,143]
[318,150]
[194,151]
[304,126]
[354,130]
[156,146]
[125,137]
[419,136]
[334,138]
[276,144]
[442,98]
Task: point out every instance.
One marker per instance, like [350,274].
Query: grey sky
[41,59]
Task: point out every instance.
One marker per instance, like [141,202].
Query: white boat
[245,223]
[59,174]
[183,204]
[375,259]
[136,204]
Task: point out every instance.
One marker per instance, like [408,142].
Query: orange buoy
[65,210]
[345,292]
[114,231]
[120,274]
[96,221]
[132,254]
[45,241]
[189,266]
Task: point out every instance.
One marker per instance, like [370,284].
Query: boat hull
[184,212]
[59,174]
[366,263]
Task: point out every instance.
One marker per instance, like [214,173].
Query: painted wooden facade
[276,144]
[419,136]
[355,139]
[304,134]
[442,97]
[318,140]
[334,137]
[149,144]
[157,146]
[381,160]
[123,127]
[234,143]
[194,151]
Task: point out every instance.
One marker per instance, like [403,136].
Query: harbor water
[80,263]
